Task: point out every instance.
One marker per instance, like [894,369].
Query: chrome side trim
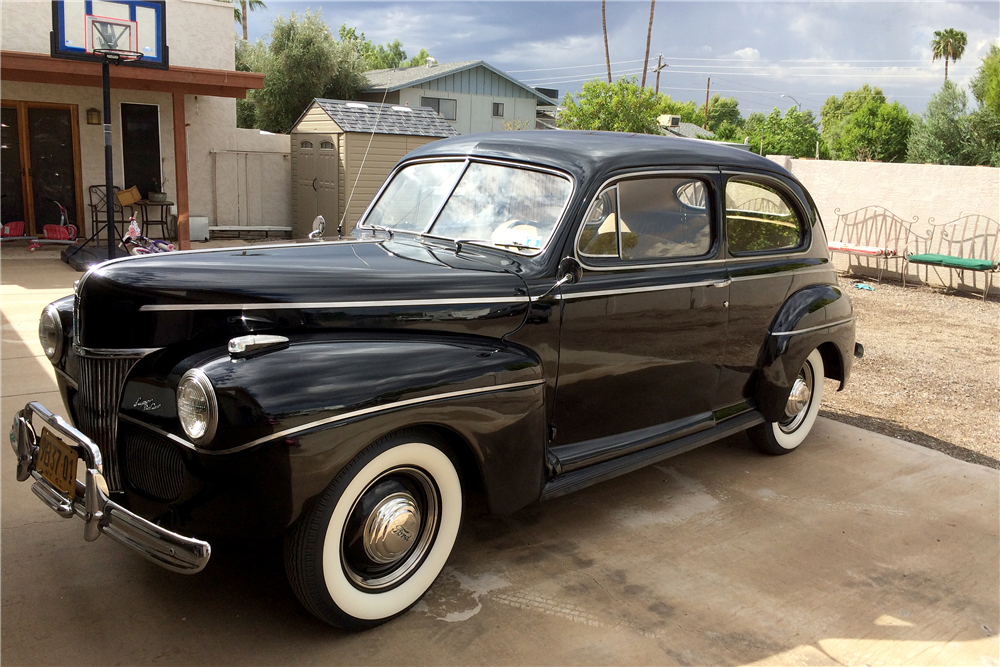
[816,328]
[635,290]
[158,431]
[378,408]
[315,305]
[793,272]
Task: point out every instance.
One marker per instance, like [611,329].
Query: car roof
[585,154]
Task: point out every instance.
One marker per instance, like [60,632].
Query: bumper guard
[92,504]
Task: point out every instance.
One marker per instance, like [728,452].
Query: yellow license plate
[57,463]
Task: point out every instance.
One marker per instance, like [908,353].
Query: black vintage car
[524,314]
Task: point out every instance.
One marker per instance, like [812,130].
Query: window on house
[328,145]
[305,144]
[447,108]
[498,109]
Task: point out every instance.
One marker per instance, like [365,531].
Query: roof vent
[431,62]
[356,105]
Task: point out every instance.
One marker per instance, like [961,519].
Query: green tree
[302,62]
[378,56]
[876,131]
[728,132]
[836,111]
[720,110]
[794,134]
[985,84]
[240,10]
[948,44]
[250,57]
[419,59]
[622,106]
[938,136]
[981,129]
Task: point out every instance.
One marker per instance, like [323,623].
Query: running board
[599,472]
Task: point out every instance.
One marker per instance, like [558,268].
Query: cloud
[747,54]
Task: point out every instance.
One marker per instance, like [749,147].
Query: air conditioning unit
[669,120]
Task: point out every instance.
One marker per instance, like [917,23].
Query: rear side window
[651,218]
[759,219]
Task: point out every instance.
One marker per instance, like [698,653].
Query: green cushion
[954,262]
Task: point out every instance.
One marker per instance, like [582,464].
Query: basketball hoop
[118,56]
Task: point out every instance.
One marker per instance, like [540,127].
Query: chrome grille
[101,382]
[151,464]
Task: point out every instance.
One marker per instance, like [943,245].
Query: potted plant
[157,191]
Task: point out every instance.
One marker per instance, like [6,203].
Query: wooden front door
[41,165]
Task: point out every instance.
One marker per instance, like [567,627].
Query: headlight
[50,333]
[196,405]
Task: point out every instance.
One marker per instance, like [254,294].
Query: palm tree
[240,9]
[947,44]
[607,54]
[649,34]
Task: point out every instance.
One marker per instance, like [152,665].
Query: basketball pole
[109,180]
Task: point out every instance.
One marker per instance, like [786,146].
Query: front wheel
[379,535]
[783,436]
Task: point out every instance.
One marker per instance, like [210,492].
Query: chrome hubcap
[391,528]
[799,399]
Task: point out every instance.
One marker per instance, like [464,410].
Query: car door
[767,241]
[643,331]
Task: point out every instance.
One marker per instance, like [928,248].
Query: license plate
[57,463]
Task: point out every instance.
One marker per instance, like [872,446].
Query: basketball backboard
[81,26]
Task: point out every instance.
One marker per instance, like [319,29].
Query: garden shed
[339,147]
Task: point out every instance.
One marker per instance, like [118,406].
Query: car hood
[158,300]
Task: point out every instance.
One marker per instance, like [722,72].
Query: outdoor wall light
[93,116]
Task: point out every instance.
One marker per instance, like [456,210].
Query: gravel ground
[931,370]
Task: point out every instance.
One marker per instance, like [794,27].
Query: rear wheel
[379,535]
[801,409]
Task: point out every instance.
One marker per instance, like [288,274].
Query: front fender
[816,317]
[305,411]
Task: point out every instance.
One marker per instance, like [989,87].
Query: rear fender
[816,317]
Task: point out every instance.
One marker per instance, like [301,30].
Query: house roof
[380,80]
[689,130]
[369,117]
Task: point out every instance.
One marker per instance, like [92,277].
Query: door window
[141,148]
[652,218]
[12,206]
[759,219]
[53,175]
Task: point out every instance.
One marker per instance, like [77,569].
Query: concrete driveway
[856,549]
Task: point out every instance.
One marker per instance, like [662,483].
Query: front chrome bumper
[92,504]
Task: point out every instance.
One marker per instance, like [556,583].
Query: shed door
[314,174]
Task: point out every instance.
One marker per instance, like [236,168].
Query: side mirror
[570,271]
[319,228]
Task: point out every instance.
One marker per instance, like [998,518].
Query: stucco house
[174,124]
[473,96]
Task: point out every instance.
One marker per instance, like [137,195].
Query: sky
[753,51]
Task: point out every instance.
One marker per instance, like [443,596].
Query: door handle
[314,185]
[723,283]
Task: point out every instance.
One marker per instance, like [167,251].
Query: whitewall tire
[379,535]
[801,410]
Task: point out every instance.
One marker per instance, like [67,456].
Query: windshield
[506,206]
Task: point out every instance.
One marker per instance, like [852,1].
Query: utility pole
[659,66]
[708,85]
